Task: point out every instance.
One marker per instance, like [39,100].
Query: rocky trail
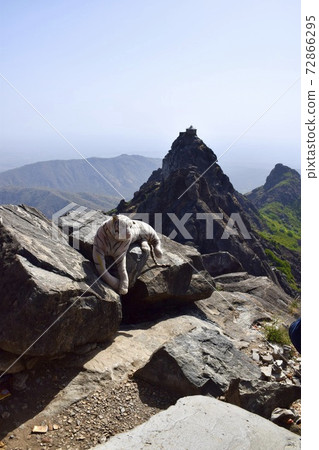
[83,400]
[93,419]
[109,364]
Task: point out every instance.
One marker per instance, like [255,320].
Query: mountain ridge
[51,185]
[49,201]
[279,205]
[118,176]
[282,184]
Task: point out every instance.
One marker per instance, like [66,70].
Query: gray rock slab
[50,296]
[131,349]
[236,310]
[204,423]
[269,293]
[200,361]
[39,242]
[221,263]
[80,226]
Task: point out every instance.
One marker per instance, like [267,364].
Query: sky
[120,76]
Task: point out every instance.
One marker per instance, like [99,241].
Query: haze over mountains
[244,177]
[94,175]
[101,183]
[96,183]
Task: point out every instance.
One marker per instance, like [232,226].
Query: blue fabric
[295,334]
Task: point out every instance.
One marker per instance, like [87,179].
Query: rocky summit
[189,189]
[283,185]
[201,334]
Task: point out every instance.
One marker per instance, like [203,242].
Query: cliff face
[191,184]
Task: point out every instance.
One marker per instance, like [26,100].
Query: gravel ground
[85,423]
[103,410]
[93,419]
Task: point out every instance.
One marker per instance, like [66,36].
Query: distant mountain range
[97,183]
[49,201]
[94,175]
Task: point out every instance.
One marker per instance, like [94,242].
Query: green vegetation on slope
[282,225]
[284,268]
[277,333]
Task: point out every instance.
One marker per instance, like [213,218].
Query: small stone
[279,376]
[282,416]
[287,351]
[267,359]
[255,355]
[266,372]
[40,429]
[276,367]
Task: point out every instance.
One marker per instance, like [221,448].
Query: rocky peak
[193,184]
[278,174]
[188,151]
[282,185]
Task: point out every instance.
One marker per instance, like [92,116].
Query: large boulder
[262,397]
[219,263]
[51,300]
[201,361]
[178,278]
[204,423]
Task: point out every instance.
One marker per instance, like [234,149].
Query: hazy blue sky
[126,76]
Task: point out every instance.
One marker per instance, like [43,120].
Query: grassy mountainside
[279,204]
[282,224]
